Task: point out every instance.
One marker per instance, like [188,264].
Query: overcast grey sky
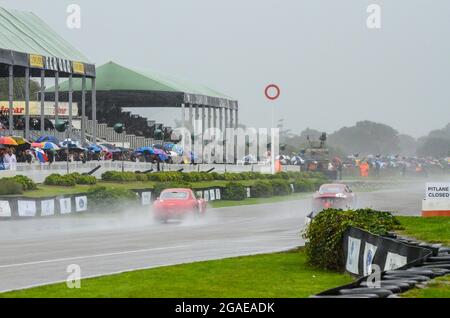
[333,70]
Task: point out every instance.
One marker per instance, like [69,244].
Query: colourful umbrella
[50,146]
[8,141]
[41,155]
[37,145]
[49,139]
[20,140]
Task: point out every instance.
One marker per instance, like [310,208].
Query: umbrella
[95,148]
[150,150]
[168,147]
[41,155]
[20,140]
[37,145]
[8,141]
[178,149]
[161,154]
[50,146]
[48,139]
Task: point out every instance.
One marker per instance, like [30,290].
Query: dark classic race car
[178,204]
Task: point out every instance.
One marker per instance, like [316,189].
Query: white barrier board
[81,204]
[146,198]
[354,246]
[47,207]
[5,209]
[65,206]
[27,208]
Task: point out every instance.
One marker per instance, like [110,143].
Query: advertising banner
[146,198]
[65,206]
[47,207]
[26,208]
[81,204]
[35,108]
[5,209]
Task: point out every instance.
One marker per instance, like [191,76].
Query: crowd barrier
[403,264]
[24,207]
[38,172]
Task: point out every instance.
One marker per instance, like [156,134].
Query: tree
[19,89]
[366,138]
[435,147]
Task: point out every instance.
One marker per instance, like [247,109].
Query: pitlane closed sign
[438,191]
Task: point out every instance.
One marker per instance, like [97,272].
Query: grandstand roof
[23,35]
[134,88]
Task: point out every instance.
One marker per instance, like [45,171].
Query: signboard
[65,206]
[35,108]
[369,254]
[36,61]
[395,261]
[5,209]
[354,246]
[78,68]
[218,197]
[27,208]
[206,195]
[438,191]
[81,204]
[212,195]
[47,207]
[146,198]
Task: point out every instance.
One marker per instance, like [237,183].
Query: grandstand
[119,87]
[30,48]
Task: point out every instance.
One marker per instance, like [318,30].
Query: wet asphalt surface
[36,252]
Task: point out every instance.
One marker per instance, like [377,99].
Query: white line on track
[58,260]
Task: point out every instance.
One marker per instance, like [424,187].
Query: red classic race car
[177,204]
[333,196]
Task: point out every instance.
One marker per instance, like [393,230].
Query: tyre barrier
[404,263]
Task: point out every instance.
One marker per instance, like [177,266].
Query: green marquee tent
[27,41]
[126,87]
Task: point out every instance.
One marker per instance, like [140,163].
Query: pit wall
[434,208]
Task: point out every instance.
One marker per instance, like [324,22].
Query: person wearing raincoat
[364,169]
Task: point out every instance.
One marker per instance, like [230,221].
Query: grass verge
[432,230]
[280,275]
[438,288]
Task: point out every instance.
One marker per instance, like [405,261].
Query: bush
[234,191]
[116,176]
[262,189]
[10,187]
[86,180]
[304,185]
[281,187]
[59,180]
[109,199]
[165,176]
[27,183]
[325,234]
[141,177]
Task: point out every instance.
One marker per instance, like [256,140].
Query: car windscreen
[174,196]
[331,189]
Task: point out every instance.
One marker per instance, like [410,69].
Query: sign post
[437,200]
[272,93]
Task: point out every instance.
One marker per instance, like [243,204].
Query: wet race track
[36,252]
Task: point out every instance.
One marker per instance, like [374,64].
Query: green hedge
[325,233]
[281,187]
[262,189]
[70,180]
[110,199]
[10,187]
[234,191]
[27,183]
[59,180]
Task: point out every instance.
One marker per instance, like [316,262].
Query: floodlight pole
[11,99]
[67,154]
